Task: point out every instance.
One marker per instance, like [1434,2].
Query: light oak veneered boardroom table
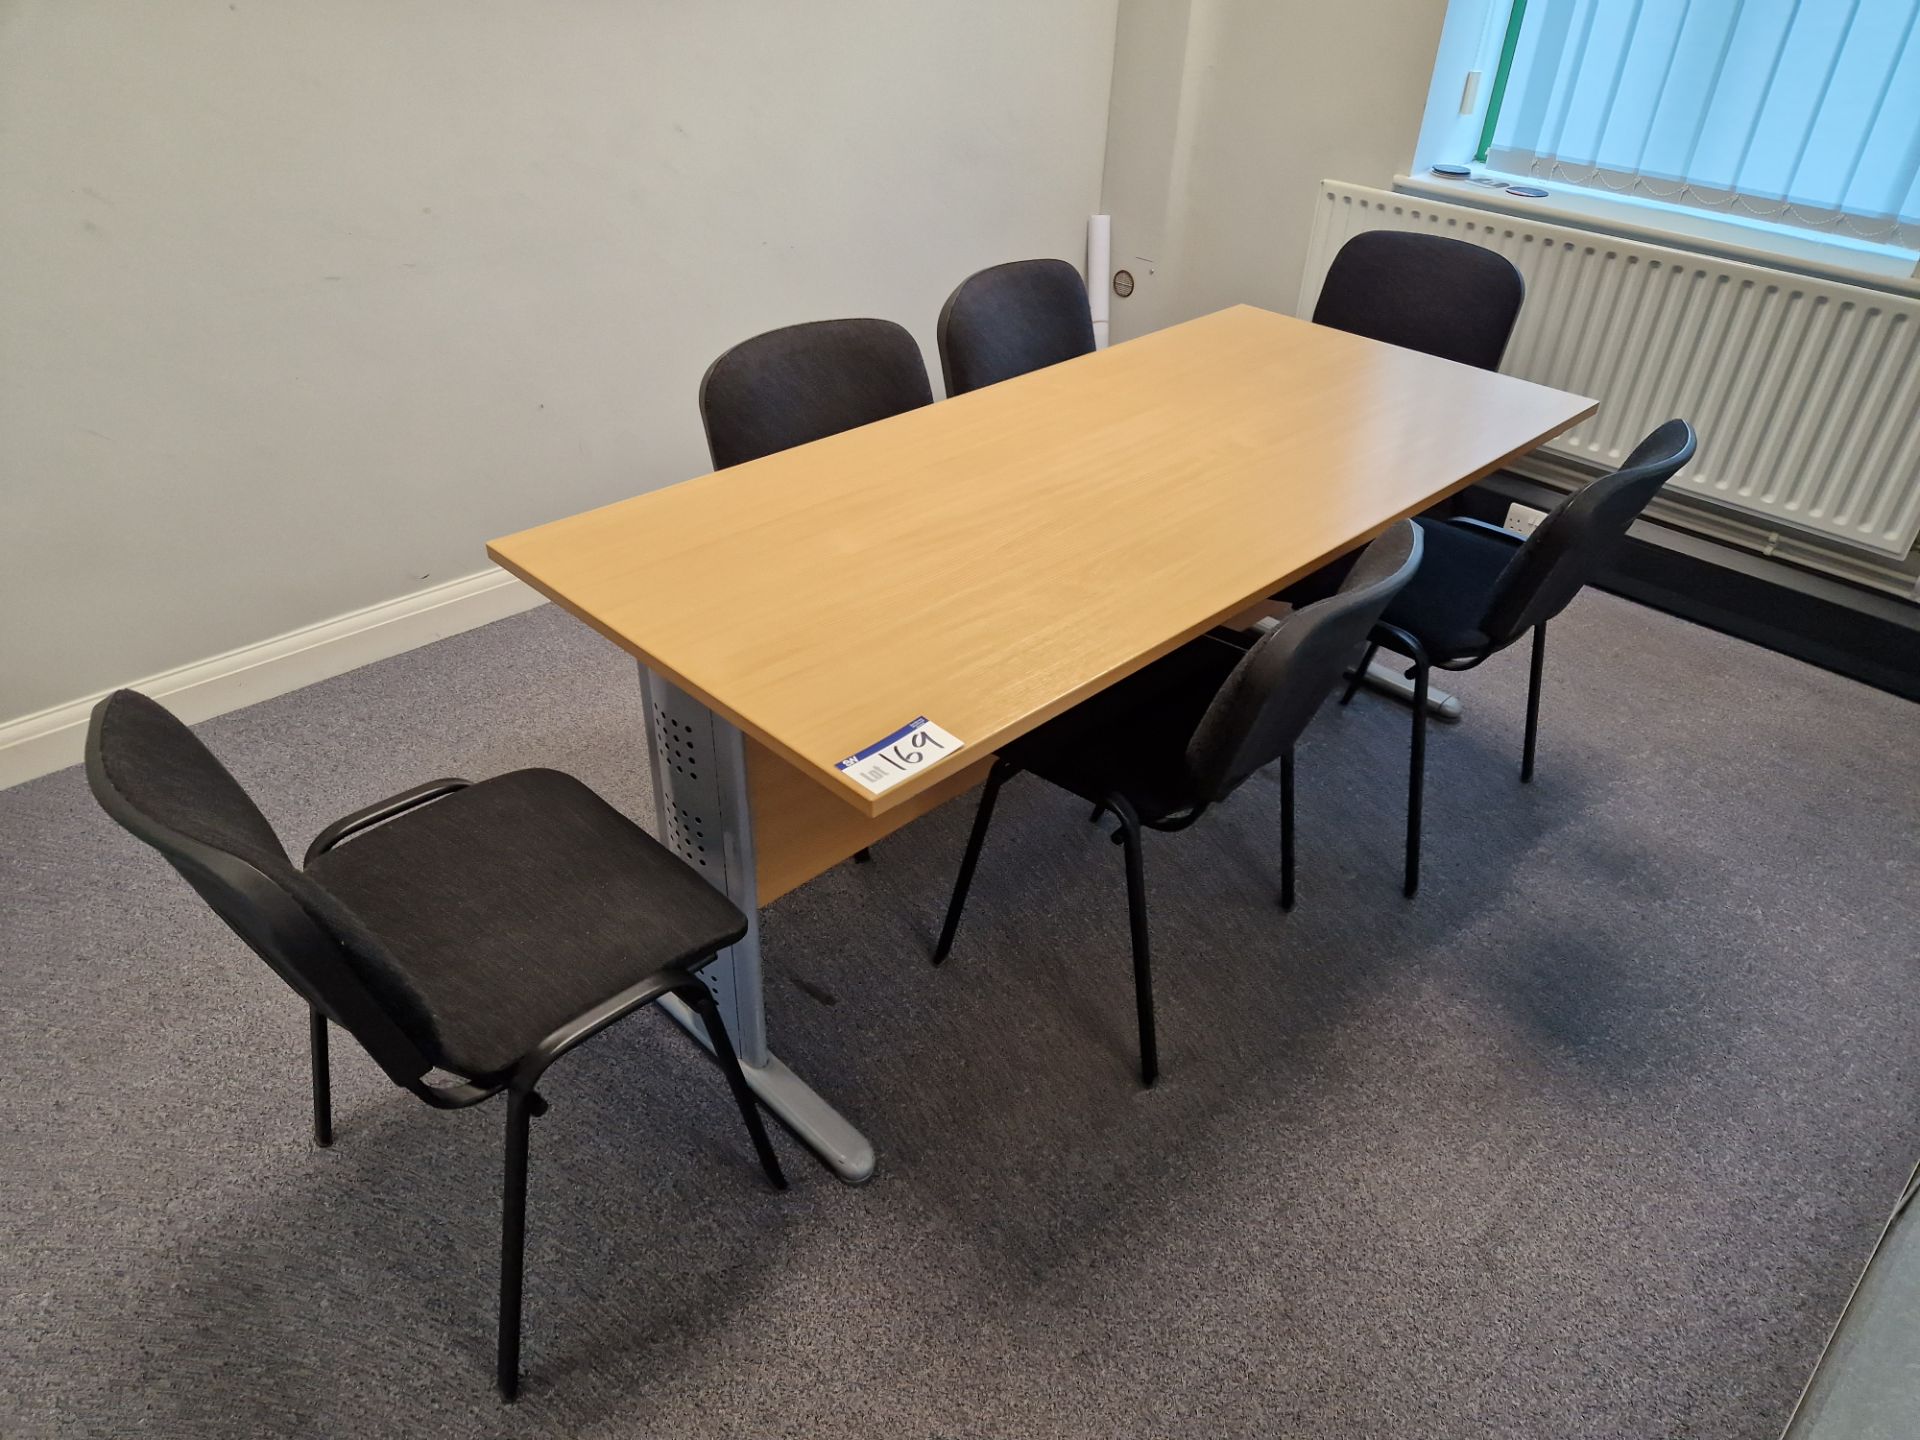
[986,562]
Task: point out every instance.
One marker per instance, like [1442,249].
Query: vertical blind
[1802,112]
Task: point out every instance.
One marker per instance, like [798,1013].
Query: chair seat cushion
[1445,602]
[1131,738]
[515,905]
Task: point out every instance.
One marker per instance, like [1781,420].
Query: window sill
[1876,267]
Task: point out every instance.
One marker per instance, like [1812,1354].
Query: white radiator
[1806,393]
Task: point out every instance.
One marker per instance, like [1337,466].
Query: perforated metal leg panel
[700,790]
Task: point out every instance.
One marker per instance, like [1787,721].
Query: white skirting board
[54,738]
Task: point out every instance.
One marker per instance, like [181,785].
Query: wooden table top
[992,559]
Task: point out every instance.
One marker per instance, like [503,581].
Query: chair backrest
[805,382]
[152,775]
[1425,292]
[1010,319]
[1271,694]
[1580,534]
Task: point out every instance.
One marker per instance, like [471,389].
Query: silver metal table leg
[700,793]
[1387,677]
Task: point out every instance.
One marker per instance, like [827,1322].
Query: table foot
[819,1127]
[1383,676]
[1386,677]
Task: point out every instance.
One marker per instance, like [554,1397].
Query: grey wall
[1225,115]
[304,302]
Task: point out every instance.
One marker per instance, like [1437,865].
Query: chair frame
[292,936]
[1228,744]
[1130,836]
[1623,493]
[1401,642]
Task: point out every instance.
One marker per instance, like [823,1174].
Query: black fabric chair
[806,382]
[1161,747]
[1011,319]
[481,930]
[1482,588]
[1430,293]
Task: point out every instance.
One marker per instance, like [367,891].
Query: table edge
[874,806]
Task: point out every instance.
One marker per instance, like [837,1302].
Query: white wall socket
[1524,519]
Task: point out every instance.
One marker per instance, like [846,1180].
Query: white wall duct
[1099,274]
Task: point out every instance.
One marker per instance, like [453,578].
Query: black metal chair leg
[1286,831]
[862,856]
[1137,922]
[1359,672]
[1098,811]
[513,1239]
[996,777]
[322,1079]
[1533,700]
[723,1051]
[1416,776]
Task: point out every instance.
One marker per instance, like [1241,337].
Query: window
[1798,113]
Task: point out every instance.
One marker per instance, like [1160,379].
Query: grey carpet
[1587,1141]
